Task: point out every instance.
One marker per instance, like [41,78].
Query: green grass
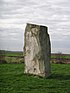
[14,53]
[13,80]
[11,56]
[61,56]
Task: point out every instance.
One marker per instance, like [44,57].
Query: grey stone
[37,50]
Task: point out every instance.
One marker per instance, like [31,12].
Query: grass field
[13,53]
[11,56]
[18,57]
[13,80]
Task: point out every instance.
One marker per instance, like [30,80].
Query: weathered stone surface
[37,50]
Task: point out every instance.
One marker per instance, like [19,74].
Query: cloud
[14,14]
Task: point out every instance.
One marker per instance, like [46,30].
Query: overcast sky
[14,14]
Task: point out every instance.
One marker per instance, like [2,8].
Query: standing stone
[37,50]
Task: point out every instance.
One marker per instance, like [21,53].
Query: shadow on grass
[59,77]
[53,76]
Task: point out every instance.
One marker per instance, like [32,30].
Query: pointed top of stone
[36,24]
[33,25]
